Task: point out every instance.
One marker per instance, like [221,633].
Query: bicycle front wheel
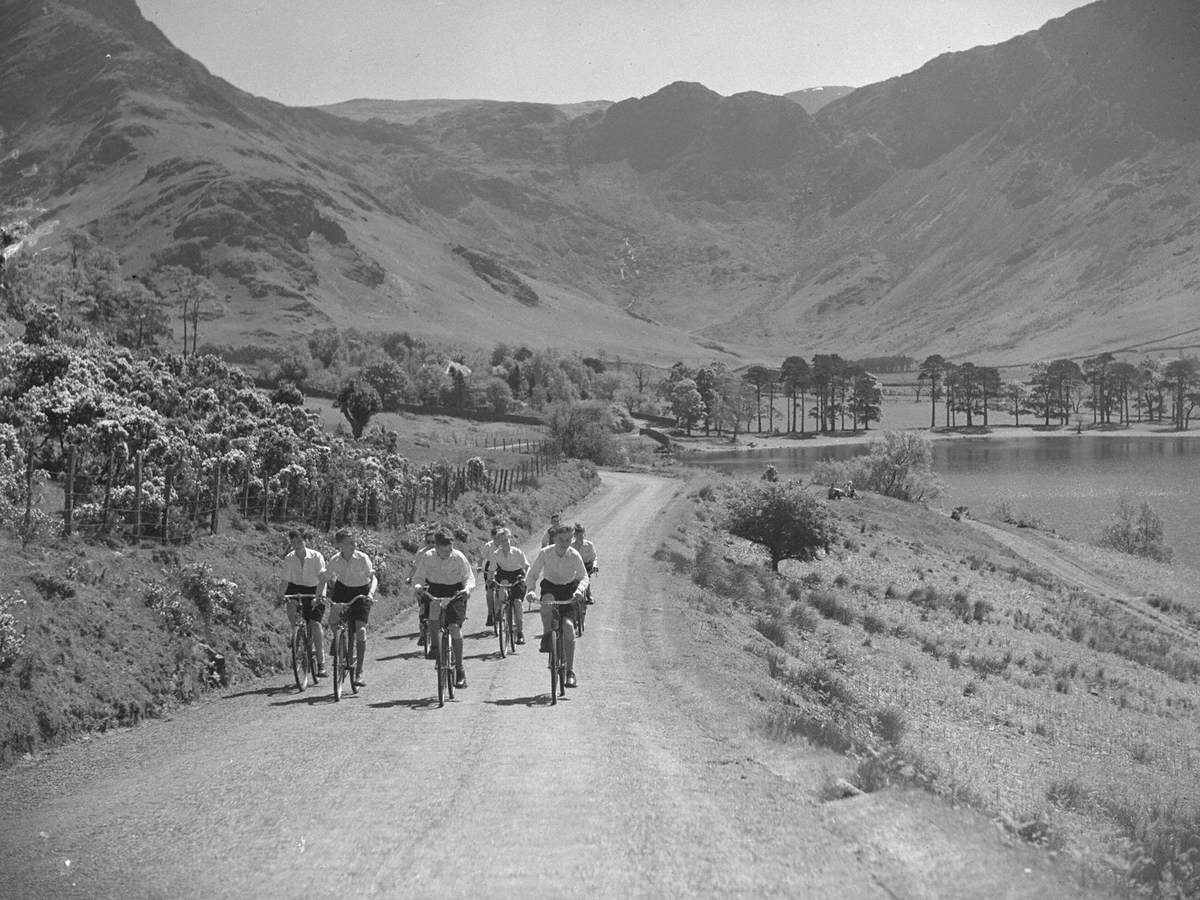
[554,651]
[339,662]
[300,657]
[500,630]
[448,664]
[440,668]
[509,623]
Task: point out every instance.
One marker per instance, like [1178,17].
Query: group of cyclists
[442,578]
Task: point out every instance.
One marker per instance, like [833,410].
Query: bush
[584,431]
[900,465]
[803,618]
[12,636]
[831,606]
[872,624]
[783,518]
[773,630]
[1137,531]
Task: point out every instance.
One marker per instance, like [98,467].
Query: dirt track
[648,780]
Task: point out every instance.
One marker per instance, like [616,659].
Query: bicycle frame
[343,650]
[444,661]
[304,657]
[505,616]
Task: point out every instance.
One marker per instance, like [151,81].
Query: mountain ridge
[1021,200]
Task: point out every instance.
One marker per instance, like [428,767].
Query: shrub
[1137,531]
[872,624]
[783,518]
[584,431]
[899,464]
[12,636]
[831,606]
[803,618]
[773,630]
[890,724]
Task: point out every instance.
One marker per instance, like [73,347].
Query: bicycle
[505,617]
[444,664]
[304,662]
[342,649]
[558,659]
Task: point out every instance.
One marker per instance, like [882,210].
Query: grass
[957,665]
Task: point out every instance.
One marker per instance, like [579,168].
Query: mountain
[812,99]
[1037,198]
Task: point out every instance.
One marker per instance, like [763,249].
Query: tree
[358,402]
[866,399]
[795,375]
[583,431]
[391,382]
[686,404]
[1180,379]
[783,518]
[499,396]
[760,377]
[932,370]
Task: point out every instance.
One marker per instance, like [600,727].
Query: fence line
[176,516]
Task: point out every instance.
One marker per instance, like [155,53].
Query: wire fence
[125,505]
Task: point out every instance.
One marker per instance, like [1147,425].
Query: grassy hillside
[942,659]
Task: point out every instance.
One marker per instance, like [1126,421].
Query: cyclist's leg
[568,632]
[456,646]
[359,652]
[547,613]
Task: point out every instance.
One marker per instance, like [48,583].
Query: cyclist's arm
[581,574]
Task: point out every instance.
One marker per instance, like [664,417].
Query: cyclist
[564,578]
[353,575]
[587,550]
[509,564]
[485,555]
[422,602]
[445,575]
[303,574]
[555,521]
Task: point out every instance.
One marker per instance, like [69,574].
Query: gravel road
[643,782]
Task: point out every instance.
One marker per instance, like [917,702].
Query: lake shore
[700,444]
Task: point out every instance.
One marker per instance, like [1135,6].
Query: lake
[1070,482]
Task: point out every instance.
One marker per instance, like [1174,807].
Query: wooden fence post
[216,501]
[137,498]
[28,493]
[69,495]
[112,466]
[169,480]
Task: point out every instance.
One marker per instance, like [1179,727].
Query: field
[938,657]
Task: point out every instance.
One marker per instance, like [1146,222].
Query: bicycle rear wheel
[300,657]
[448,664]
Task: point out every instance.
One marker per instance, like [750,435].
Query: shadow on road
[412,654]
[307,697]
[537,700]
[418,703]
[495,654]
[264,691]
[411,636]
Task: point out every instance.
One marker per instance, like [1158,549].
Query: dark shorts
[562,592]
[456,611]
[360,609]
[311,609]
[517,589]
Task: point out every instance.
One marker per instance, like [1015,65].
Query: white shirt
[305,572]
[357,571]
[455,568]
[511,561]
[587,550]
[558,569]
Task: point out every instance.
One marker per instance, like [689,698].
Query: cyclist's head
[443,543]
[561,534]
[555,518]
[496,529]
[502,536]
[343,540]
[578,530]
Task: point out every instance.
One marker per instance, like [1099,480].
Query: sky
[312,52]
